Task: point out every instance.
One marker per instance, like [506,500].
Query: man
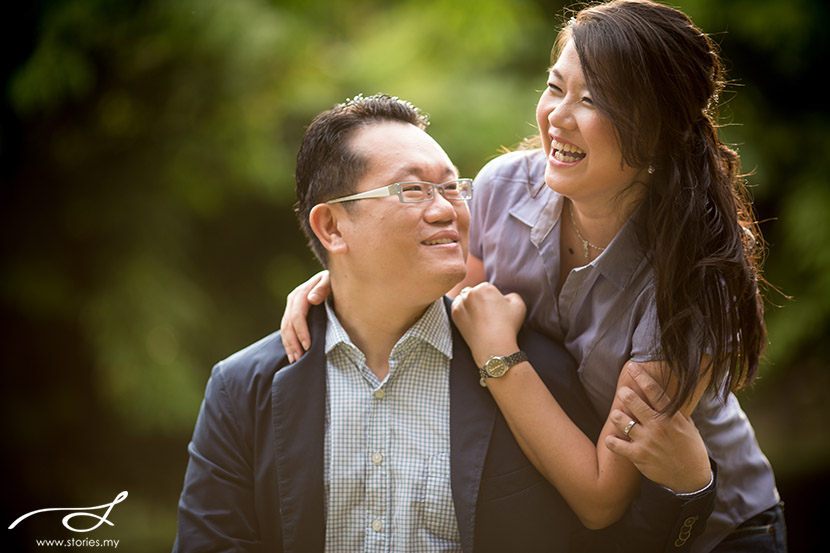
[380,438]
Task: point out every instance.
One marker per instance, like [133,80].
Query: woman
[640,248]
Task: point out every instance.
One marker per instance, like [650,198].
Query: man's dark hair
[327,167]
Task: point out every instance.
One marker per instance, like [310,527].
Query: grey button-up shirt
[604,315]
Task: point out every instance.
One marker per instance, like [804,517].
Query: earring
[651,169]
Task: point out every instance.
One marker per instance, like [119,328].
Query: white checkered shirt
[387,444]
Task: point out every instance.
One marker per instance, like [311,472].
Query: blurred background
[146,186]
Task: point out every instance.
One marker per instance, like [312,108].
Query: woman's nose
[561,115]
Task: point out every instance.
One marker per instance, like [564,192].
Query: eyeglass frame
[396,189]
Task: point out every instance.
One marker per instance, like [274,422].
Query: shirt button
[379,393]
[377,525]
[377,458]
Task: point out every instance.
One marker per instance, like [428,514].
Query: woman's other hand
[668,450]
[294,328]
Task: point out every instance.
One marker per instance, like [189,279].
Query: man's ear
[325,221]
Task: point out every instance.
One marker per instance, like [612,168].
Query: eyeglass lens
[420,191]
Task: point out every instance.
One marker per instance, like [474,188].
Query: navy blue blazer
[254,481]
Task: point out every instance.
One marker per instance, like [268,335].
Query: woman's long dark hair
[657,78]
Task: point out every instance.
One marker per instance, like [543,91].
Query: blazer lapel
[472,414]
[298,400]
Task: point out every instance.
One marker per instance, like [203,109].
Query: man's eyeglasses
[413,192]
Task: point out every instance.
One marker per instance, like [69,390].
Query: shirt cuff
[700,491]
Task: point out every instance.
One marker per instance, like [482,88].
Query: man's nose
[439,207]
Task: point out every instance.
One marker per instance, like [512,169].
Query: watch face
[495,367]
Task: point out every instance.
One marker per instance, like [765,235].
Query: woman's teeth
[567,153]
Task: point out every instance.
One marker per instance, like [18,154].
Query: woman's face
[584,160]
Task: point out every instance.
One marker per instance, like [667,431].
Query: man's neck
[375,321]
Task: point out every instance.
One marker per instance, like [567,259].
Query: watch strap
[515,358]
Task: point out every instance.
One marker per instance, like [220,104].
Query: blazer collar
[298,395]
[299,426]
[472,415]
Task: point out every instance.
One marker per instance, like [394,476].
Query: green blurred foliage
[147,154]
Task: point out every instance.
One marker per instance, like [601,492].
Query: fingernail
[313,296]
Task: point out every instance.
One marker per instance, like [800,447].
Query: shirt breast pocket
[436,506]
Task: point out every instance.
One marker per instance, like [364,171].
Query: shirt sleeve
[645,341]
[658,520]
[482,194]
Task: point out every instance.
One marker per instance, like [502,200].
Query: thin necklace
[585,243]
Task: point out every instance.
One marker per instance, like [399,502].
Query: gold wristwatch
[497,366]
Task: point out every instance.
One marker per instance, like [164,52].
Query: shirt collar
[623,256]
[535,162]
[335,333]
[539,207]
[432,328]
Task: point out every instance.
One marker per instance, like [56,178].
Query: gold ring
[628,427]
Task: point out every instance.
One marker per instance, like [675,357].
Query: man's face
[413,249]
